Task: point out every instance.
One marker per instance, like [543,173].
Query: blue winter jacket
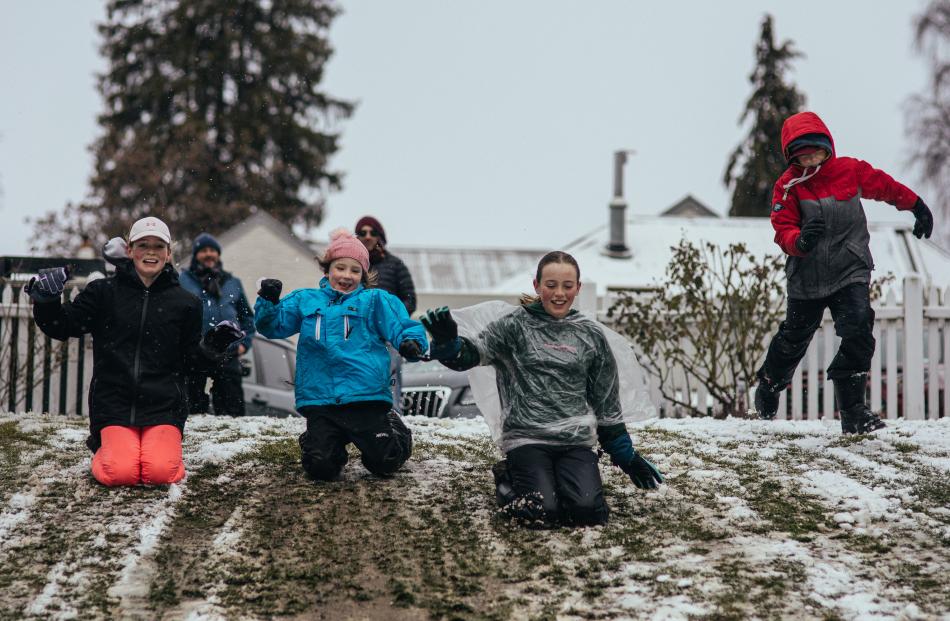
[341,353]
[232,305]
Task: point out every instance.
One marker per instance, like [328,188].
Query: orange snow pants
[133,455]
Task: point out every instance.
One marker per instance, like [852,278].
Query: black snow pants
[556,484]
[384,441]
[854,321]
[227,394]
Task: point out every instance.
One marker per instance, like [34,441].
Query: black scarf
[209,277]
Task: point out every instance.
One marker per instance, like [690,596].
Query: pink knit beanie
[344,245]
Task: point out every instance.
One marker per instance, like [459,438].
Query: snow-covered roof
[651,238]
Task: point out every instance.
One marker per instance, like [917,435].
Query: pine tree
[756,163]
[928,114]
[212,110]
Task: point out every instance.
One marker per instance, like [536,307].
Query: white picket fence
[907,371]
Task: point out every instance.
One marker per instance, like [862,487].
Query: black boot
[504,493]
[856,416]
[766,399]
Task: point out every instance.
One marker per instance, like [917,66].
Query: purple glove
[48,284]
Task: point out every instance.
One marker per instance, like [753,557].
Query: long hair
[555,256]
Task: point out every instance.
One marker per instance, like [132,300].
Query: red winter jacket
[833,189]
[840,177]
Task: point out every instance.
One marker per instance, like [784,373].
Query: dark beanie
[204,241]
[808,141]
[373,222]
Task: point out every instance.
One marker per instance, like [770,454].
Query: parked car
[430,389]
[268,369]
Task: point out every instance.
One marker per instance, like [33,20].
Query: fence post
[587,298]
[913,371]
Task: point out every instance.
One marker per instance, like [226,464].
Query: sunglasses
[367,233]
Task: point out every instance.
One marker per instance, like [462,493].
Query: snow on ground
[757,520]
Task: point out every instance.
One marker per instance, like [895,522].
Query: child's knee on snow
[321,470]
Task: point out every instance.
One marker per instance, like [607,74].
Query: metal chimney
[617,244]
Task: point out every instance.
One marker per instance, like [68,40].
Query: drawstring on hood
[804,129]
[805,177]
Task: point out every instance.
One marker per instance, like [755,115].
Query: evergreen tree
[929,114]
[212,110]
[756,163]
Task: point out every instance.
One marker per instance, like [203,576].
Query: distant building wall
[259,251]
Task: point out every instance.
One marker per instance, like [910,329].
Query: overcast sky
[493,123]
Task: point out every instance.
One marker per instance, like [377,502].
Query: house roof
[262,218]
[690,206]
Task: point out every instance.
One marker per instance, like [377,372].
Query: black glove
[48,284]
[221,337]
[410,350]
[924,225]
[620,448]
[643,473]
[810,234]
[269,289]
[440,324]
[445,333]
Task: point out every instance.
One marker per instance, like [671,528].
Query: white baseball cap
[150,227]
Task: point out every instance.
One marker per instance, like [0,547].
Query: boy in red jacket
[820,224]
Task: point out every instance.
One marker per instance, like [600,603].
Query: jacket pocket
[314,324]
[354,326]
[863,253]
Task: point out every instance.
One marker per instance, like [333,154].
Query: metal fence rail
[38,373]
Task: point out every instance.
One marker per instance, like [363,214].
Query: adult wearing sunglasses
[392,276]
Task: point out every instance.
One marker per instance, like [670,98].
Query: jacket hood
[801,124]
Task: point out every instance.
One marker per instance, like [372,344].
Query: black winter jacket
[143,342]
[394,277]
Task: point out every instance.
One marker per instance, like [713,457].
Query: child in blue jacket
[342,379]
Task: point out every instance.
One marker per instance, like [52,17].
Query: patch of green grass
[906,447]
[12,443]
[932,489]
[867,544]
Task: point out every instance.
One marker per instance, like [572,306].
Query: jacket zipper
[138,353]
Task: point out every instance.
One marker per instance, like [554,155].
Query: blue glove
[643,473]
[445,333]
[48,284]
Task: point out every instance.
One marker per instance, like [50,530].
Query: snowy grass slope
[758,520]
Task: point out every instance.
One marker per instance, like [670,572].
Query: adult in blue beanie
[222,298]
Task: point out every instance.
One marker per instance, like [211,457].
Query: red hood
[800,124]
